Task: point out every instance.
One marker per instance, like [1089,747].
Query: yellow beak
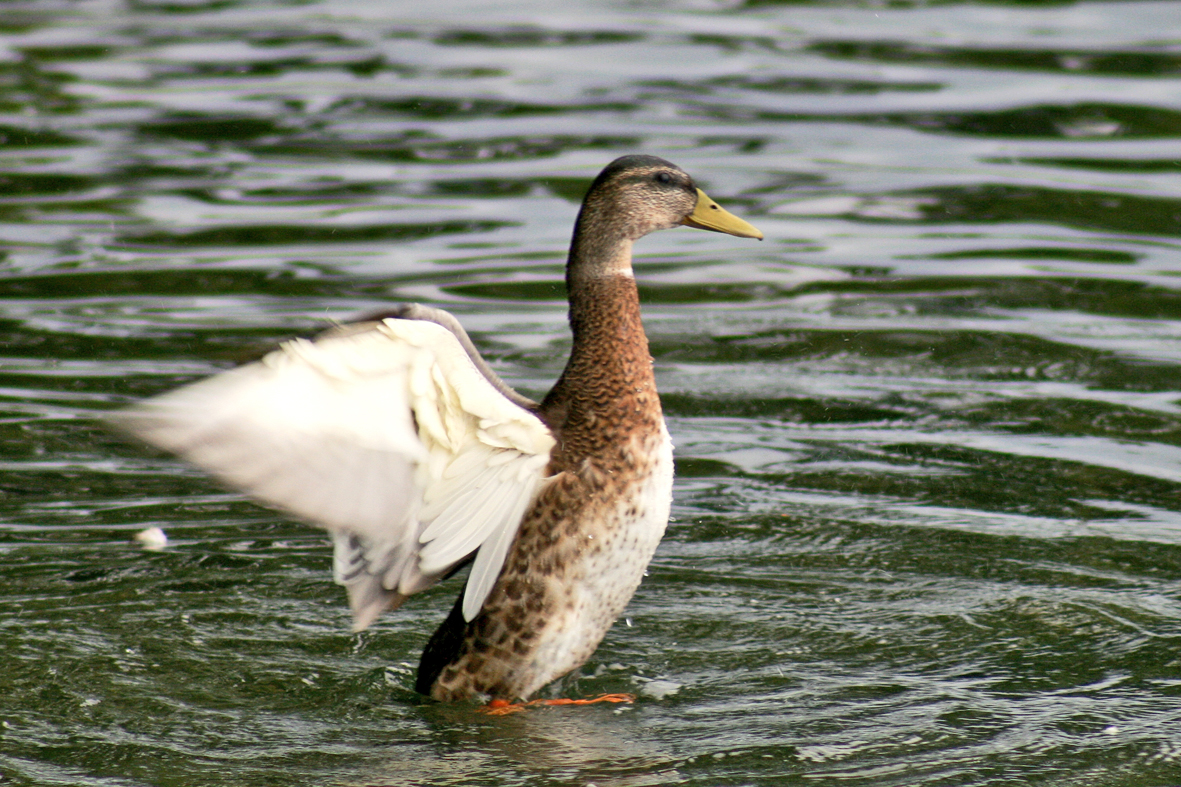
[709,215]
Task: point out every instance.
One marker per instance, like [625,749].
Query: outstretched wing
[384,433]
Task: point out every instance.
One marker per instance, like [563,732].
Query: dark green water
[928,506]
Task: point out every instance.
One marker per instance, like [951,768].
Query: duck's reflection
[600,745]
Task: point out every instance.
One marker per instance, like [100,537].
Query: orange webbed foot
[499,707]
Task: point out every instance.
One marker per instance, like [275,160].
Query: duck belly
[619,541]
[578,559]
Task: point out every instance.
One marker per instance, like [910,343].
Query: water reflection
[605,746]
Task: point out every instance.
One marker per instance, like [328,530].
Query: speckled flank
[582,549]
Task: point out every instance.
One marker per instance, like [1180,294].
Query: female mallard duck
[395,435]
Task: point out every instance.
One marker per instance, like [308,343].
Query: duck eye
[664,177]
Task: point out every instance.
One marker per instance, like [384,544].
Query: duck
[397,437]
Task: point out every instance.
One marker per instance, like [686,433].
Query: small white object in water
[153,538]
[659,689]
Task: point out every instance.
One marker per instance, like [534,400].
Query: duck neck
[608,332]
[605,309]
[608,384]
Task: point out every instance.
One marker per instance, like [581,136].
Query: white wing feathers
[387,435]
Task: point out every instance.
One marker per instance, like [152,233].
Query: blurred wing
[385,434]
